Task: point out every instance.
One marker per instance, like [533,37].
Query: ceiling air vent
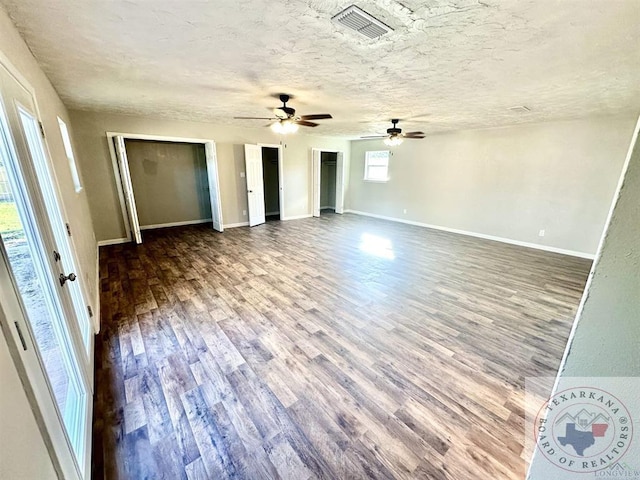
[360,21]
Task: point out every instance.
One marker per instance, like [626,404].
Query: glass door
[66,258]
[34,292]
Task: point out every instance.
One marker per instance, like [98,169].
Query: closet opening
[328,175]
[271,180]
[165,182]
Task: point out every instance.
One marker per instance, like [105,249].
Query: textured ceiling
[448,64]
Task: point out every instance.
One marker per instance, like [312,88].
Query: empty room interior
[319,240]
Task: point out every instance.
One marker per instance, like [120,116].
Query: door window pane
[62,240]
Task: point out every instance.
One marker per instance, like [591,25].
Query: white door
[316,174]
[340,174]
[36,308]
[214,185]
[255,184]
[61,230]
[127,187]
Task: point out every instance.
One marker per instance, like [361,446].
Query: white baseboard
[328,206]
[537,246]
[175,224]
[113,241]
[234,225]
[297,217]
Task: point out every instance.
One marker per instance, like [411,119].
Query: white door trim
[209,151]
[316,173]
[340,179]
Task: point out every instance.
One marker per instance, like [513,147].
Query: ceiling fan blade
[375,136]
[409,134]
[306,124]
[414,136]
[254,118]
[317,116]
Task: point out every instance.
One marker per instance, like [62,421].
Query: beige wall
[507,182]
[22,452]
[169,181]
[90,129]
[606,334]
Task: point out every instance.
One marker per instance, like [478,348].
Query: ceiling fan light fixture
[284,127]
[393,140]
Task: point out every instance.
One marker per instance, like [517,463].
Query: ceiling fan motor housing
[394,131]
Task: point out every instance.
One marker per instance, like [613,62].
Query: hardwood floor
[339,347]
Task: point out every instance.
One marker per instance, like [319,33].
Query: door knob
[63,278]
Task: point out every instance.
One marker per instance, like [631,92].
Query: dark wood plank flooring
[338,347]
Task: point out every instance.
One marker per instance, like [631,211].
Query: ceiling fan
[395,136]
[285,119]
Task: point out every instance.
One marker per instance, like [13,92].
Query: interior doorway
[165,182]
[328,172]
[264,174]
[328,178]
[271,180]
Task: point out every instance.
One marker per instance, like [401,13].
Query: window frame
[367,165]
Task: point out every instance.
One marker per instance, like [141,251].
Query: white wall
[504,182]
[90,129]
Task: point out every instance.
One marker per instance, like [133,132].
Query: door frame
[27,360]
[316,174]
[280,173]
[210,152]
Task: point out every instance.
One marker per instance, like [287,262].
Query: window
[376,166]
[72,161]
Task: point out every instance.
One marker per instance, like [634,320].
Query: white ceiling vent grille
[363,23]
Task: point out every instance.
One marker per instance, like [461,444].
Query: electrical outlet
[241,174]
[244,213]
[541,233]
[404,211]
